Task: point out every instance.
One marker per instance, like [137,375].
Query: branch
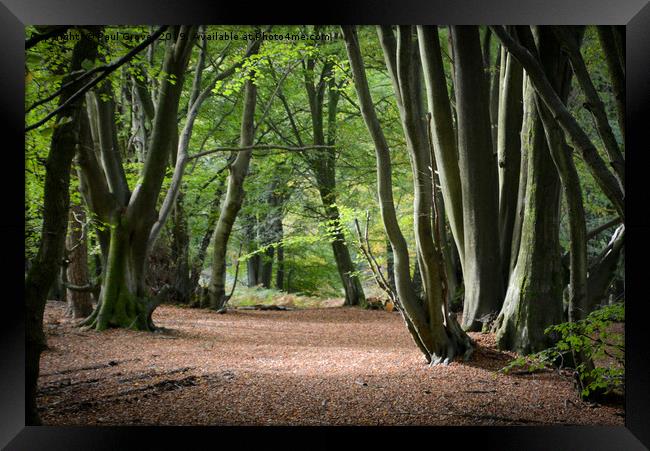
[259,147]
[375,268]
[601,228]
[106,71]
[38,37]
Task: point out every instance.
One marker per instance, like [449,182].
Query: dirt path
[336,366]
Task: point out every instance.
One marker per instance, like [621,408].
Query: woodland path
[328,366]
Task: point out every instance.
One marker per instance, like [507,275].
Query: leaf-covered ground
[328,366]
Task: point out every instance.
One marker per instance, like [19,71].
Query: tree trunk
[509,156]
[533,300]
[602,271]
[354,294]
[433,329]
[279,273]
[390,266]
[233,201]
[494,78]
[478,171]
[79,301]
[56,201]
[123,301]
[197,264]
[442,131]
[253,263]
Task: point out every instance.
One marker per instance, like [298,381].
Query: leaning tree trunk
[432,327]
[603,269]
[79,300]
[232,203]
[478,171]
[56,201]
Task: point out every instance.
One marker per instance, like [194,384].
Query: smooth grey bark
[494,80]
[438,336]
[478,171]
[56,201]
[442,131]
[534,297]
[573,195]
[509,156]
[233,201]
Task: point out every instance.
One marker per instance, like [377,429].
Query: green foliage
[593,337]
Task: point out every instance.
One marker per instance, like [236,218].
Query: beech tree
[548,72]
[479,181]
[533,300]
[433,328]
[132,215]
[234,198]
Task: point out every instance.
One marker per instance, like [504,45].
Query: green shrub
[593,337]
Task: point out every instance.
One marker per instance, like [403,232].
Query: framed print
[253,217]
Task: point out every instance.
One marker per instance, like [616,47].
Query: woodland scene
[325,225]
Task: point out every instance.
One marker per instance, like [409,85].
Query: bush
[593,337]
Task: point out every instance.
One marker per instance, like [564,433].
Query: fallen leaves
[338,366]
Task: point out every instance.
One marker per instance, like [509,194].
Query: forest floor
[323,366]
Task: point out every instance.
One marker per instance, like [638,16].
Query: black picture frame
[635,14]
